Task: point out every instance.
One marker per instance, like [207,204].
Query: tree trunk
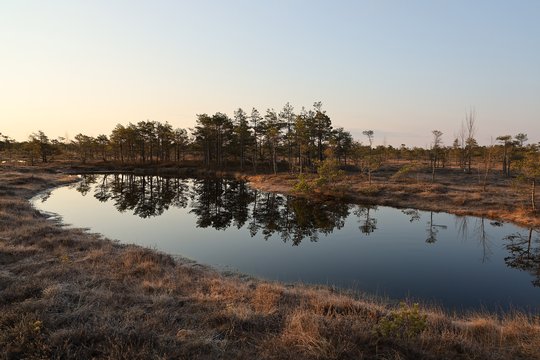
[274,158]
[529,242]
[533,194]
[505,161]
[487,167]
[242,154]
[289,148]
[255,157]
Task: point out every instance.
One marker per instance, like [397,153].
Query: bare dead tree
[435,151]
[462,137]
[470,141]
[487,163]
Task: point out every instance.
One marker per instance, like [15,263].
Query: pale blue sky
[401,68]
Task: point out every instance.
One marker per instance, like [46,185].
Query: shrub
[404,323]
[405,171]
[329,172]
[302,186]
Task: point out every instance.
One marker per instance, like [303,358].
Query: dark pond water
[461,263]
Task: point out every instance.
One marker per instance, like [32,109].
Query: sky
[400,68]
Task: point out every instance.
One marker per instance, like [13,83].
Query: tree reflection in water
[432,229]
[85,184]
[368,223]
[524,252]
[221,203]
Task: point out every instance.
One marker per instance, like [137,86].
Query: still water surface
[461,263]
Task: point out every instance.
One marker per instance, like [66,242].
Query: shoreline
[226,270]
[213,315]
[448,198]
[452,192]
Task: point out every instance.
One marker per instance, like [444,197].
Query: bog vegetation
[67,293]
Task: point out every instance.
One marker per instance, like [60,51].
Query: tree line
[274,141]
[271,141]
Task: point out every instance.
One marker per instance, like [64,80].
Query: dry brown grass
[266,298]
[66,293]
[453,192]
